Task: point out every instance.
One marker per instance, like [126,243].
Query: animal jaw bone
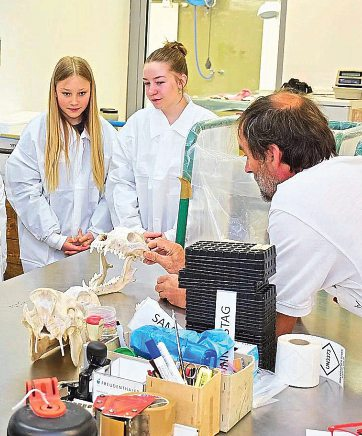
[126,245]
[56,319]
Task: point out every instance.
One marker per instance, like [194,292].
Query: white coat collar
[159,122]
[84,135]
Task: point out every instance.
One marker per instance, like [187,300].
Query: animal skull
[126,245]
[58,318]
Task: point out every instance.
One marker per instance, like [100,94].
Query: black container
[75,422]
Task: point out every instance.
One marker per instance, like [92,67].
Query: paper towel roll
[298,360]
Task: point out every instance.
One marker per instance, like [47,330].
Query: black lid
[108,110]
[75,422]
[96,349]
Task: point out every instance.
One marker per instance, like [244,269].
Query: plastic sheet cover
[225,201]
[348,137]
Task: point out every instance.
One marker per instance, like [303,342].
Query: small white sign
[225,318]
[225,312]
[105,384]
[333,357]
[149,312]
[125,374]
[332,361]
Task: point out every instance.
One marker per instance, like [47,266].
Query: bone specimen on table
[123,243]
[57,319]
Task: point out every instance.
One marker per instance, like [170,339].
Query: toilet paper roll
[298,360]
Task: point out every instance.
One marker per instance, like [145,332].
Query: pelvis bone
[125,244]
[58,318]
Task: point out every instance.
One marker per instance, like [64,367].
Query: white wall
[163,25]
[322,36]
[35,34]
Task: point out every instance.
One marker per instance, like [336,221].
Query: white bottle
[176,376]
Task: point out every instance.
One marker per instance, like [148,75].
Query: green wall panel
[235,46]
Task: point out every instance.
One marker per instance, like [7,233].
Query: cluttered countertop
[296,410]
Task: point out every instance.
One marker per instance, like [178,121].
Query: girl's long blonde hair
[58,128]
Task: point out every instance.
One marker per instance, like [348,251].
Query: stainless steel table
[296,410]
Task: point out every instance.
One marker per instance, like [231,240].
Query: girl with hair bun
[143,188]
[56,175]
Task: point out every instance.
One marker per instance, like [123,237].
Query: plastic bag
[203,348]
[266,385]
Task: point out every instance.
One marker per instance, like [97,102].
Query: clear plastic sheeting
[225,201]
[266,386]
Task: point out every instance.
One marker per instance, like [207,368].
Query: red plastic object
[93,319]
[346,428]
[49,386]
[123,406]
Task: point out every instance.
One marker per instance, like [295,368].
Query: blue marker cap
[152,349]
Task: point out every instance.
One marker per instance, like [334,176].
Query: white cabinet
[336,109]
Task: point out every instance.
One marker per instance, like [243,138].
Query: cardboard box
[236,395]
[106,381]
[195,407]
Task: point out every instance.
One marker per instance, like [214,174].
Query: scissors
[193,374]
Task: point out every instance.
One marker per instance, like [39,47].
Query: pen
[179,347]
[155,369]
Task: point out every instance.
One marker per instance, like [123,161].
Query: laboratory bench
[296,410]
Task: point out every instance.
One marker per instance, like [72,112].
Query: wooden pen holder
[197,407]
[236,397]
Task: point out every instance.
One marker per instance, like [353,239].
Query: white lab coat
[46,219]
[3,221]
[143,189]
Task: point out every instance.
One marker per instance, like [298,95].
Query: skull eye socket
[132,237]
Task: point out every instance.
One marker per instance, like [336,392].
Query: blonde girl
[56,175]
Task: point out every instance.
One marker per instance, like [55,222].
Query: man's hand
[149,236]
[168,254]
[71,246]
[167,287]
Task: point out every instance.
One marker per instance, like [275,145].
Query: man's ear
[274,159]
[274,155]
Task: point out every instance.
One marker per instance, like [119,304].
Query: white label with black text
[225,317]
[332,360]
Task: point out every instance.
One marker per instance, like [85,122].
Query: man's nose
[247,167]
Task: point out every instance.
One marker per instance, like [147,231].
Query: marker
[120,334]
[203,376]
[170,363]
[158,360]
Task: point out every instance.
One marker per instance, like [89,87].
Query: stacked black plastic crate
[233,266]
